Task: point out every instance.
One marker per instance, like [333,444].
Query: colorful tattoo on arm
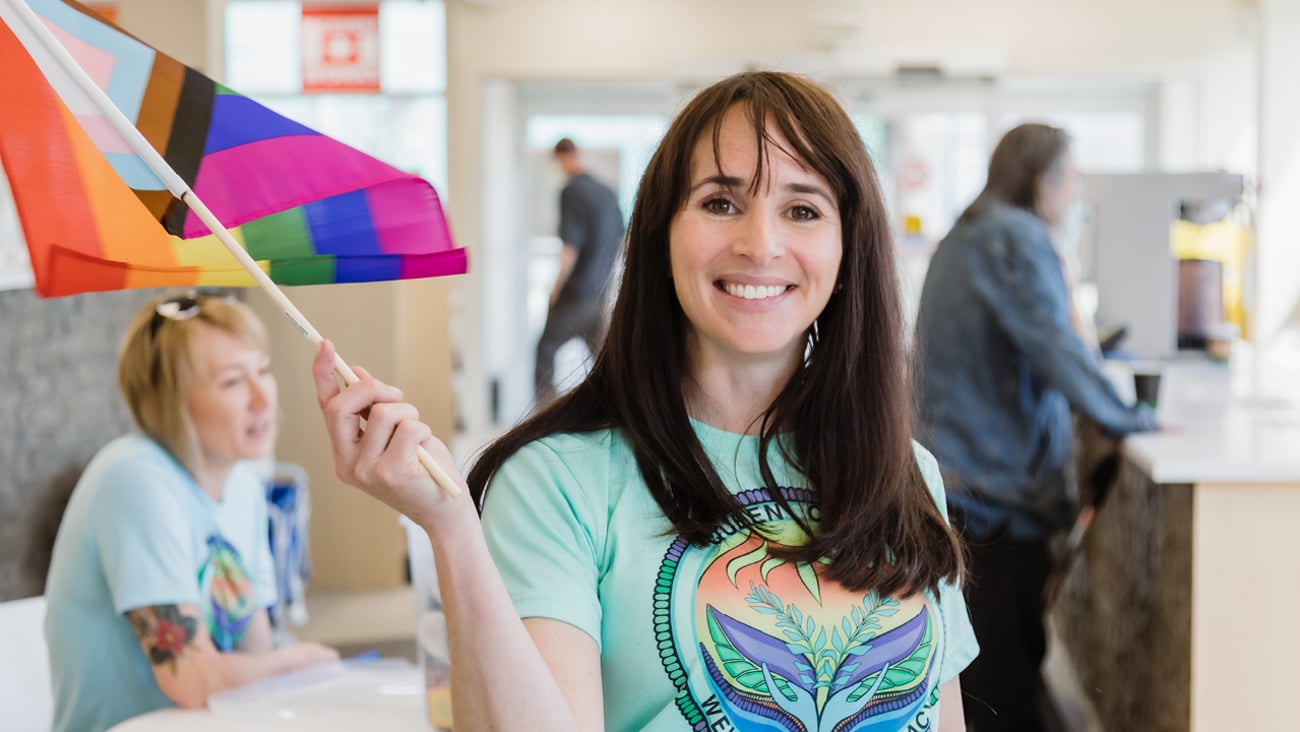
[164,632]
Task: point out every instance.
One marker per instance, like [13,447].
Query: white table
[386,694]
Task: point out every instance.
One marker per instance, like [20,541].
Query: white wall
[1278,271]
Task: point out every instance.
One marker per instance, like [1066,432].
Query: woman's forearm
[500,680]
[229,670]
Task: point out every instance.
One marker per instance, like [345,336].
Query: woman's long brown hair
[848,406]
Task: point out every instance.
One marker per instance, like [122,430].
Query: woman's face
[752,270]
[232,398]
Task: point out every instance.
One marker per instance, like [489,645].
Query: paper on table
[362,677]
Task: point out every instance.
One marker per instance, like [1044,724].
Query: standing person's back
[1001,367]
[995,336]
[591,221]
[591,229]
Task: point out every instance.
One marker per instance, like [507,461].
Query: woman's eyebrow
[726,181]
[809,189]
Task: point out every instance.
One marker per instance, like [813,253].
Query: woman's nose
[263,392]
[760,237]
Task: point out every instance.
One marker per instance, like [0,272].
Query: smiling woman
[161,573]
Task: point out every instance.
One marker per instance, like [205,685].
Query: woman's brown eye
[718,205]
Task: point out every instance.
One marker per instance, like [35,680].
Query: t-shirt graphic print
[230,594]
[755,642]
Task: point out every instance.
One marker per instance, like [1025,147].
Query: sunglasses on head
[183,307]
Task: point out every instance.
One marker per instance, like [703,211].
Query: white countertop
[386,695]
[1218,428]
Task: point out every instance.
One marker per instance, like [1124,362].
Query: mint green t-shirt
[720,637]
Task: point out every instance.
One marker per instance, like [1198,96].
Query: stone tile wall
[1124,611]
[58,404]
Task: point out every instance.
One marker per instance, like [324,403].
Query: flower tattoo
[164,631]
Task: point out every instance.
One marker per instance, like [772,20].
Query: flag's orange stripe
[42,169]
[129,233]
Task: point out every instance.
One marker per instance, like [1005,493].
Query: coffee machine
[1164,253]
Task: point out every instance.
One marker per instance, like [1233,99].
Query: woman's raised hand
[380,458]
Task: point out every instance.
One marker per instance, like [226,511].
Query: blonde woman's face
[232,398]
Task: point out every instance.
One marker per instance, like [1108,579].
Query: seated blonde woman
[161,574]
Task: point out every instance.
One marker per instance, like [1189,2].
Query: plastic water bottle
[435,661]
[433,649]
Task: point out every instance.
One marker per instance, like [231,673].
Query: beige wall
[178,28]
[397,331]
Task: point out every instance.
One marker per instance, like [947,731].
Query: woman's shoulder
[579,444]
[128,472]
[1001,214]
[1016,224]
[587,471]
[132,454]
[577,454]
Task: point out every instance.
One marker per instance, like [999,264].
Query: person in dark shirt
[591,228]
[1001,368]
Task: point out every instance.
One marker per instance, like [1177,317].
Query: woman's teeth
[754,292]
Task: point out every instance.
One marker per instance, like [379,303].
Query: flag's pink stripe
[97,62]
[407,217]
[249,181]
[451,262]
[103,134]
[98,65]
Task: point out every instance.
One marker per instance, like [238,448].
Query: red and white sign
[340,48]
[912,174]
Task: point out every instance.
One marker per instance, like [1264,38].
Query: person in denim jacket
[1001,369]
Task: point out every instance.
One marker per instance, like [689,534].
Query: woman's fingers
[327,384]
[382,422]
[322,372]
[357,450]
[375,435]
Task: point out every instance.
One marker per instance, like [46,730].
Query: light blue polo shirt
[139,531]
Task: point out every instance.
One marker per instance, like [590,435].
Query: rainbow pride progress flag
[308,208]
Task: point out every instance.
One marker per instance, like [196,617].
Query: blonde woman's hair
[156,367]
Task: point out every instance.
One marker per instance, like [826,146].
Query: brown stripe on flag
[158,107]
[157,113]
[159,203]
[189,137]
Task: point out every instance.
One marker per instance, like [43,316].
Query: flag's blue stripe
[368,269]
[133,61]
[133,170]
[237,120]
[342,225]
